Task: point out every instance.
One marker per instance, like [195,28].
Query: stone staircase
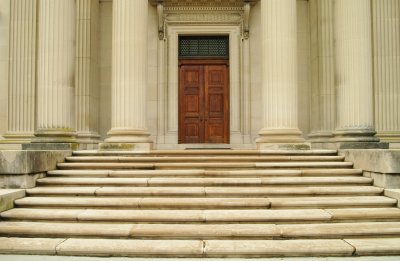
[203,203]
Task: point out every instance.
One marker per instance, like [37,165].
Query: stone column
[279,71]
[86,85]
[323,78]
[386,35]
[22,84]
[129,77]
[56,67]
[353,53]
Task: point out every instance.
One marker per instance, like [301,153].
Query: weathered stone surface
[30,246]
[7,197]
[137,248]
[86,191]
[393,193]
[51,229]
[266,215]
[205,230]
[23,181]
[381,161]
[364,213]
[142,215]
[386,180]
[375,246]
[340,230]
[159,203]
[332,202]
[265,248]
[42,214]
[28,162]
[51,146]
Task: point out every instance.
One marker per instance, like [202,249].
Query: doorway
[204,101]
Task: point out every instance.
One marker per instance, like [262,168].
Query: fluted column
[279,72]
[129,74]
[86,87]
[56,67]
[386,35]
[22,72]
[323,80]
[353,52]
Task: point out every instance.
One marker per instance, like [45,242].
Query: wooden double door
[203,101]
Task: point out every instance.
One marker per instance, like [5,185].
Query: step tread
[201,158]
[167,215]
[29,246]
[371,213]
[332,202]
[201,231]
[376,246]
[165,202]
[128,165]
[209,152]
[340,229]
[206,181]
[207,191]
[206,173]
[143,202]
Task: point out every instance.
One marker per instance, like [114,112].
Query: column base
[55,136]
[50,146]
[128,140]
[321,140]
[139,147]
[357,139]
[14,141]
[283,146]
[281,139]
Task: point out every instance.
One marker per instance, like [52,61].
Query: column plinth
[279,83]
[56,68]
[129,77]
[353,50]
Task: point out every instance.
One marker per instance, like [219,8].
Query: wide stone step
[205,173]
[191,248]
[241,158]
[265,191]
[172,216]
[203,165]
[233,181]
[142,203]
[205,152]
[207,203]
[201,231]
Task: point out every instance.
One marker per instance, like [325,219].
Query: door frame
[207,61]
[168,81]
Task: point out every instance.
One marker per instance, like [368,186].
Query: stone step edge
[200,248]
[210,173]
[201,231]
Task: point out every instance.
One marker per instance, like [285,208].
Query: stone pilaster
[56,69]
[129,77]
[323,68]
[279,72]
[386,35]
[353,50]
[22,73]
[86,87]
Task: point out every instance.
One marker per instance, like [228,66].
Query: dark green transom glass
[203,46]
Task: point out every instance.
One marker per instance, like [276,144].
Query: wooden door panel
[203,103]
[217,104]
[191,103]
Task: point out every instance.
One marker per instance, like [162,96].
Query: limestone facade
[106,71]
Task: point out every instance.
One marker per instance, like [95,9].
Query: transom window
[203,46]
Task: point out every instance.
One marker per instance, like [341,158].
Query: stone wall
[381,165]
[20,169]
